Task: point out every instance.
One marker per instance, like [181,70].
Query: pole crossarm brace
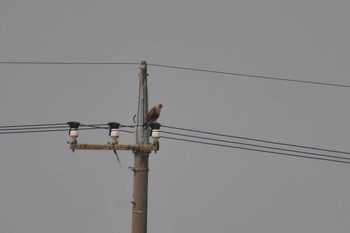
[146,148]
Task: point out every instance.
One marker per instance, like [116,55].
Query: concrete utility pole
[140,193]
[142,148]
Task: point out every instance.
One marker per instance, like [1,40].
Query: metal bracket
[156,146]
[139,212]
[139,169]
[133,204]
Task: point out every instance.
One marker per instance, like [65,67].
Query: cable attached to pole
[122,173]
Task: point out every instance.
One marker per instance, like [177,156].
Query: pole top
[143,65]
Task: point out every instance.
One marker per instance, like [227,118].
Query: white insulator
[114,133]
[73,133]
[155,134]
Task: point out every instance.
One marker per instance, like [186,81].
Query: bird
[152,115]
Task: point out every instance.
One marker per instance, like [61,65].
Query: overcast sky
[192,187]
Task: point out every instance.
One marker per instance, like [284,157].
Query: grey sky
[193,188]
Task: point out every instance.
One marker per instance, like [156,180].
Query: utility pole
[142,148]
[140,192]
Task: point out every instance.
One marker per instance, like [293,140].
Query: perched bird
[152,115]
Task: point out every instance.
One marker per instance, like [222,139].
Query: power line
[256,140]
[32,128]
[22,129]
[34,131]
[45,128]
[179,68]
[54,127]
[257,150]
[51,126]
[39,128]
[264,151]
[66,63]
[259,146]
[33,125]
[39,131]
[250,75]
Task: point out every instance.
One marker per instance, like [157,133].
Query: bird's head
[159,105]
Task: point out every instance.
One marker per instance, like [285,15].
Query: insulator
[114,133]
[155,133]
[73,132]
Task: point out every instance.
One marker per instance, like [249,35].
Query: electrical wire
[39,131]
[208,140]
[36,125]
[258,146]
[38,128]
[59,126]
[4,129]
[179,68]
[34,131]
[249,75]
[32,128]
[255,140]
[123,173]
[66,63]
[257,150]
[337,159]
